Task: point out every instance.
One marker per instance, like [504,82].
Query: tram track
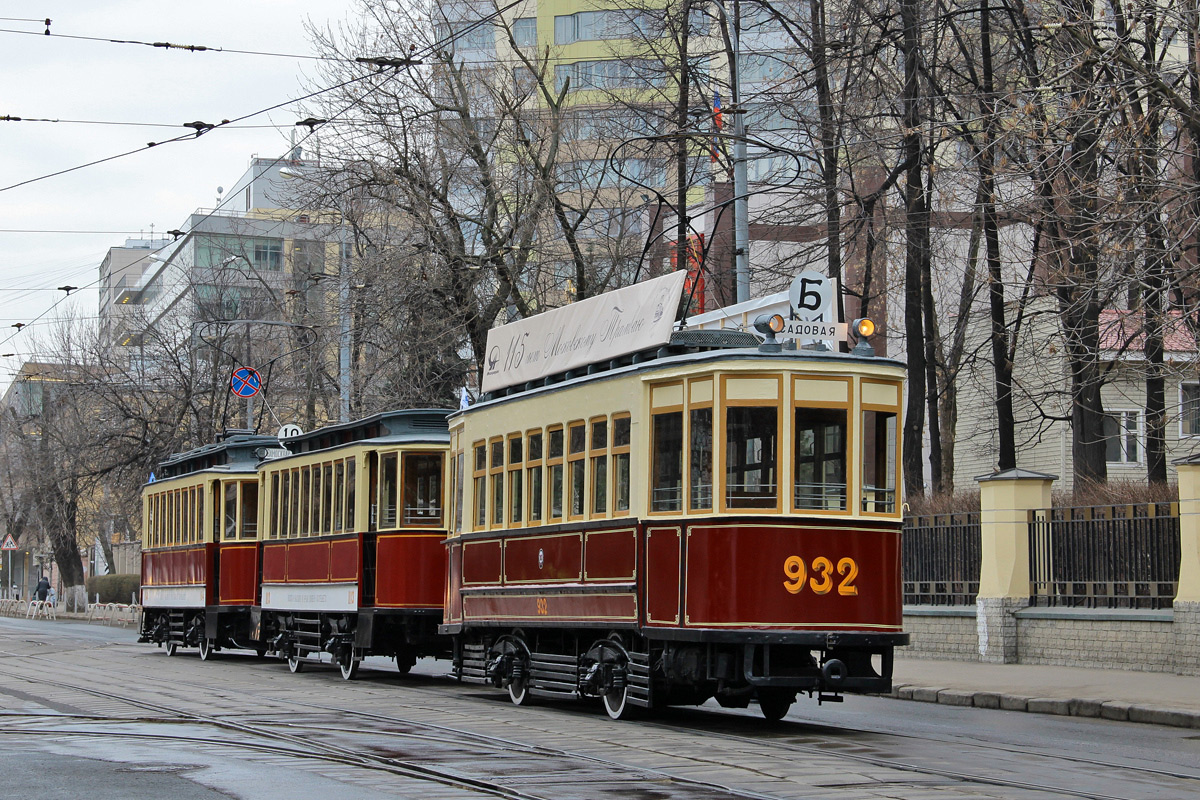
[499,746]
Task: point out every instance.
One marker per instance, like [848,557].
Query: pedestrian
[43,588]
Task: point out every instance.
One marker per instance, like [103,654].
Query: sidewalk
[1155,697]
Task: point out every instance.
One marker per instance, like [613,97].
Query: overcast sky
[55,77]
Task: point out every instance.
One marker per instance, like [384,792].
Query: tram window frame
[306,500]
[388,514]
[556,472]
[515,485]
[701,455]
[428,483]
[339,495]
[820,420]
[621,438]
[248,511]
[666,443]
[495,484]
[598,439]
[576,489]
[351,523]
[459,492]
[479,486]
[535,471]
[878,458]
[327,491]
[824,398]
[229,511]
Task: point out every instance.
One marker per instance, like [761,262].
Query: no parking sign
[245,382]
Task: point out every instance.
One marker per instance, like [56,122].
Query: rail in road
[97,693]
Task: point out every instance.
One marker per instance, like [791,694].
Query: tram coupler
[284,645]
[338,644]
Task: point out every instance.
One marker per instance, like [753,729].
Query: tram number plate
[543,607]
[819,575]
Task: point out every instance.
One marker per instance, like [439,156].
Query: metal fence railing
[941,556]
[1124,556]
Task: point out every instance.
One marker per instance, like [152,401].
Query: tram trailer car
[705,520]
[200,552]
[353,561]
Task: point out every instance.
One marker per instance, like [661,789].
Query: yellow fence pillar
[1186,618]
[1005,499]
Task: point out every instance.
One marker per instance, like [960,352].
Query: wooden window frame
[714,455]
[552,462]
[670,408]
[573,458]
[496,516]
[860,448]
[479,487]
[615,452]
[721,423]
[515,488]
[853,473]
[531,464]
[595,453]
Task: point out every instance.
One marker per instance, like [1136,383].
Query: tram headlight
[768,326]
[863,327]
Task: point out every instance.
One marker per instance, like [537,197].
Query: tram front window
[879,462]
[750,462]
[667,490]
[820,459]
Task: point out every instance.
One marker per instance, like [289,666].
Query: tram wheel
[349,667]
[207,646]
[518,691]
[171,647]
[296,663]
[616,703]
[774,706]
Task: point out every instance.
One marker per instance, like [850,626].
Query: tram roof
[686,347]
[401,426]
[234,452]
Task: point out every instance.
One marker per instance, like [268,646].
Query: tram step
[557,667]
[553,658]
[473,674]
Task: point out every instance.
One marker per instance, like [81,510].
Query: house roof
[1122,331]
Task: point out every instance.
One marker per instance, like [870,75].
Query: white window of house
[524,31]
[1122,434]
[1189,409]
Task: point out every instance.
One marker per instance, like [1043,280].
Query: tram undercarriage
[349,637]
[628,670]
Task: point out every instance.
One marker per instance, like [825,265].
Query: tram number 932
[819,575]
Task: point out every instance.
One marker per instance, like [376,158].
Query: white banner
[310,596]
[596,329]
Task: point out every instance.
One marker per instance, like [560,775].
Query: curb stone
[1115,710]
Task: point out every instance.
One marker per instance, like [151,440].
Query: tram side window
[350,494]
[516,462]
[666,489]
[599,456]
[879,462]
[534,470]
[576,439]
[460,460]
[480,494]
[229,531]
[750,457]
[294,502]
[327,498]
[249,509]
[820,475]
[422,489]
[339,494]
[555,456]
[620,460]
[285,493]
[497,471]
[700,475]
[306,501]
[387,491]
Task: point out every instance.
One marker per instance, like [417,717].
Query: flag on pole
[714,153]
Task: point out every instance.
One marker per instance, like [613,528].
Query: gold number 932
[822,578]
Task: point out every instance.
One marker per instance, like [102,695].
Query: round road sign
[245,382]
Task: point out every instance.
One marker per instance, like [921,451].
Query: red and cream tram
[353,562]
[710,518]
[200,554]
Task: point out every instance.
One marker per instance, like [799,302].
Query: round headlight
[864,326]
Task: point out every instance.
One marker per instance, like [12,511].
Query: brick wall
[1112,641]
[941,632]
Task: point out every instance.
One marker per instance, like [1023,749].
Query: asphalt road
[87,712]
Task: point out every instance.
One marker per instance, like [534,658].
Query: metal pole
[741,183]
[344,344]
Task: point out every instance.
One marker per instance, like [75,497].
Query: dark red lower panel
[411,570]
[746,575]
[274,558]
[661,581]
[554,609]
[239,574]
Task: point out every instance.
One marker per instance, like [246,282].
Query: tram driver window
[820,475]
[422,489]
[879,462]
[249,510]
[750,462]
[666,490]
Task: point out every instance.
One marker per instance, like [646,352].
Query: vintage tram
[352,557]
[709,518]
[200,552]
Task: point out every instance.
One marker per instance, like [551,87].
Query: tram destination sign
[596,329]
